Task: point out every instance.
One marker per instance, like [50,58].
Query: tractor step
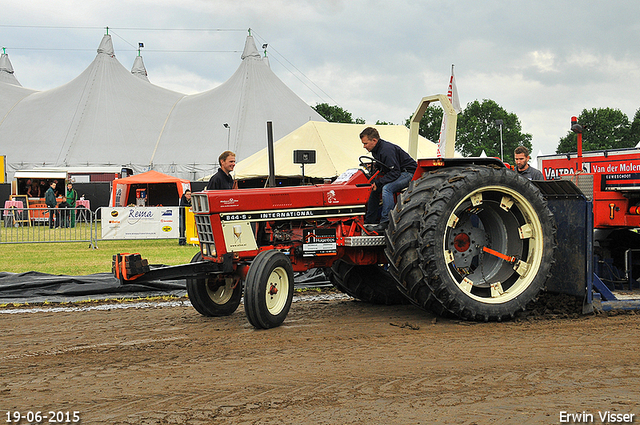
[364,241]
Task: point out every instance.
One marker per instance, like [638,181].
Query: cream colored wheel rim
[490,222]
[223,294]
[277,290]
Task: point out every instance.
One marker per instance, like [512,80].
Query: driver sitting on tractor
[397,169]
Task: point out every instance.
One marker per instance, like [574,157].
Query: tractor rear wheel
[269,289]
[402,241]
[218,296]
[486,242]
[371,283]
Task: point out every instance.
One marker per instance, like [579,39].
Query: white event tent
[109,116]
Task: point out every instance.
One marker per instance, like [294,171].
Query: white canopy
[251,97]
[110,116]
[337,147]
[105,116]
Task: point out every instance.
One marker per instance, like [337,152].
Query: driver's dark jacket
[395,159]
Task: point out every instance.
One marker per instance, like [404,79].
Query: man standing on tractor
[396,170]
[521,155]
[222,179]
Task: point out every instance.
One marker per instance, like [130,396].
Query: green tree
[336,114]
[634,131]
[478,131]
[430,123]
[602,128]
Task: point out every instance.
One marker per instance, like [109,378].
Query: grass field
[77,258]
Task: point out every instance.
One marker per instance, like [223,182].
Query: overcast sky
[543,60]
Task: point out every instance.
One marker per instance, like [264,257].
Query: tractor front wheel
[215,296]
[269,289]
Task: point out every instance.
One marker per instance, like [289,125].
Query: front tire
[486,243]
[214,297]
[269,289]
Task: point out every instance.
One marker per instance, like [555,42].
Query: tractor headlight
[208,249]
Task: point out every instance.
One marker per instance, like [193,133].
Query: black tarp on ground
[36,287]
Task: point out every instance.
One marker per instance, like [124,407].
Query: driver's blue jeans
[387,198]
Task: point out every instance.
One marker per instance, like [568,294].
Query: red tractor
[610,180]
[469,238]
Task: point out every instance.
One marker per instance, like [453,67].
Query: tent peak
[106,46]
[138,69]
[6,70]
[5,64]
[250,49]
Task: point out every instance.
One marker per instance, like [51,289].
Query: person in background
[50,200]
[28,189]
[185,200]
[35,190]
[43,188]
[223,180]
[72,197]
[521,155]
[58,188]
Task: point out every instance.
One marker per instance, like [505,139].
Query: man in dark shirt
[50,200]
[521,155]
[396,173]
[222,179]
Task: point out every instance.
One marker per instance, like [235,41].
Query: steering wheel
[368,163]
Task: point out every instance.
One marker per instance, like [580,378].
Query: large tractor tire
[402,241]
[371,283]
[269,289]
[214,297]
[486,243]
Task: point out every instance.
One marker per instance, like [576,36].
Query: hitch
[127,266]
[131,267]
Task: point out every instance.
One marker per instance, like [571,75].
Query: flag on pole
[452,94]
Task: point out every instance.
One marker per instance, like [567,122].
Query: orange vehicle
[610,179]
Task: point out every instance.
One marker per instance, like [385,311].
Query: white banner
[140,222]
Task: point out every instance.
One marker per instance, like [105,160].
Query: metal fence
[34,225]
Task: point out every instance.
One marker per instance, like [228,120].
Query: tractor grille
[203,226]
[205,235]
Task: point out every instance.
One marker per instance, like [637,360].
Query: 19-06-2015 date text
[38,417]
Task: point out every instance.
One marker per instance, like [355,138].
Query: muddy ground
[337,361]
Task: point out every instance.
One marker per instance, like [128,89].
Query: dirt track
[332,362]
